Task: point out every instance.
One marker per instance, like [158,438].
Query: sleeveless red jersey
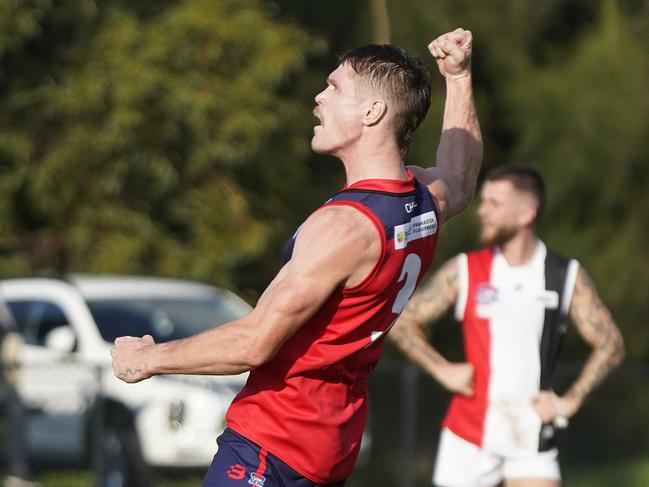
[308,405]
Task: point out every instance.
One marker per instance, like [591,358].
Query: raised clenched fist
[452,52]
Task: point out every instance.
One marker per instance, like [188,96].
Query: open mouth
[316,114]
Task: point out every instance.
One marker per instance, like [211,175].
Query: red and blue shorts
[241,463]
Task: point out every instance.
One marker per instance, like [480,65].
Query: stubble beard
[501,236]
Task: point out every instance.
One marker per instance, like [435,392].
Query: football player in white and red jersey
[513,298]
[318,329]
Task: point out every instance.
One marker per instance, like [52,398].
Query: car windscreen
[164,319]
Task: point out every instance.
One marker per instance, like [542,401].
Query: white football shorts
[460,463]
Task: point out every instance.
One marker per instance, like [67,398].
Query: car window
[35,319]
[164,319]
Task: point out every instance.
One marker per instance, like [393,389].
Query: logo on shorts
[236,472]
[257,479]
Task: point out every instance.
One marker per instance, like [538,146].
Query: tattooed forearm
[597,327]
[435,297]
[426,306]
[595,371]
[414,343]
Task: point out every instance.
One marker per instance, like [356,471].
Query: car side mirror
[61,338]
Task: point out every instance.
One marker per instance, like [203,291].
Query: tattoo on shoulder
[587,309]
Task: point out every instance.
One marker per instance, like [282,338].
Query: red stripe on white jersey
[466,415]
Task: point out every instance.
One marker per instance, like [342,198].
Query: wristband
[560,422]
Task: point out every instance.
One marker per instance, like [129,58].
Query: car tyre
[120,462]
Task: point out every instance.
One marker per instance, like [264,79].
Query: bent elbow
[617,351]
[257,356]
[467,198]
[458,204]
[252,361]
[619,355]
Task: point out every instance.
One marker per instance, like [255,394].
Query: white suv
[78,411]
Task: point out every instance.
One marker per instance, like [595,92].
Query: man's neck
[520,249]
[382,161]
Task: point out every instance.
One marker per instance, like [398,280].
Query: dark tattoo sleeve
[595,324]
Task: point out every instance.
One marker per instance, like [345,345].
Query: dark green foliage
[125,131]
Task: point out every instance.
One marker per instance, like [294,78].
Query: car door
[55,386]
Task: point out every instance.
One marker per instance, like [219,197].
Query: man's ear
[375,112]
[528,215]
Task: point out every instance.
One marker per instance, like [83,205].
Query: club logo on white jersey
[487,294]
[418,227]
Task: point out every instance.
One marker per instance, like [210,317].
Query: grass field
[623,474]
[85,479]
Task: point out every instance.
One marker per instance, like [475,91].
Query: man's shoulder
[334,230]
[339,216]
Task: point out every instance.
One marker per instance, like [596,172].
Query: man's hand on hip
[555,409]
[457,378]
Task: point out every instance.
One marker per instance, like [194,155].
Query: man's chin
[315,146]
[498,238]
[486,241]
[319,149]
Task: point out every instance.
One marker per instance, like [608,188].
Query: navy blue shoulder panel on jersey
[391,209]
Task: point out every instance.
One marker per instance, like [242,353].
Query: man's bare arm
[409,332]
[595,324]
[337,246]
[459,155]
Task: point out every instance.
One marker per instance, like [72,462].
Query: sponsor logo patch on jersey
[549,298]
[418,227]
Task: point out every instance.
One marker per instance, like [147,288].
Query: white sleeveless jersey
[513,321]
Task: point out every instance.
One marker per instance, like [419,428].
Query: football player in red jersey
[317,330]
